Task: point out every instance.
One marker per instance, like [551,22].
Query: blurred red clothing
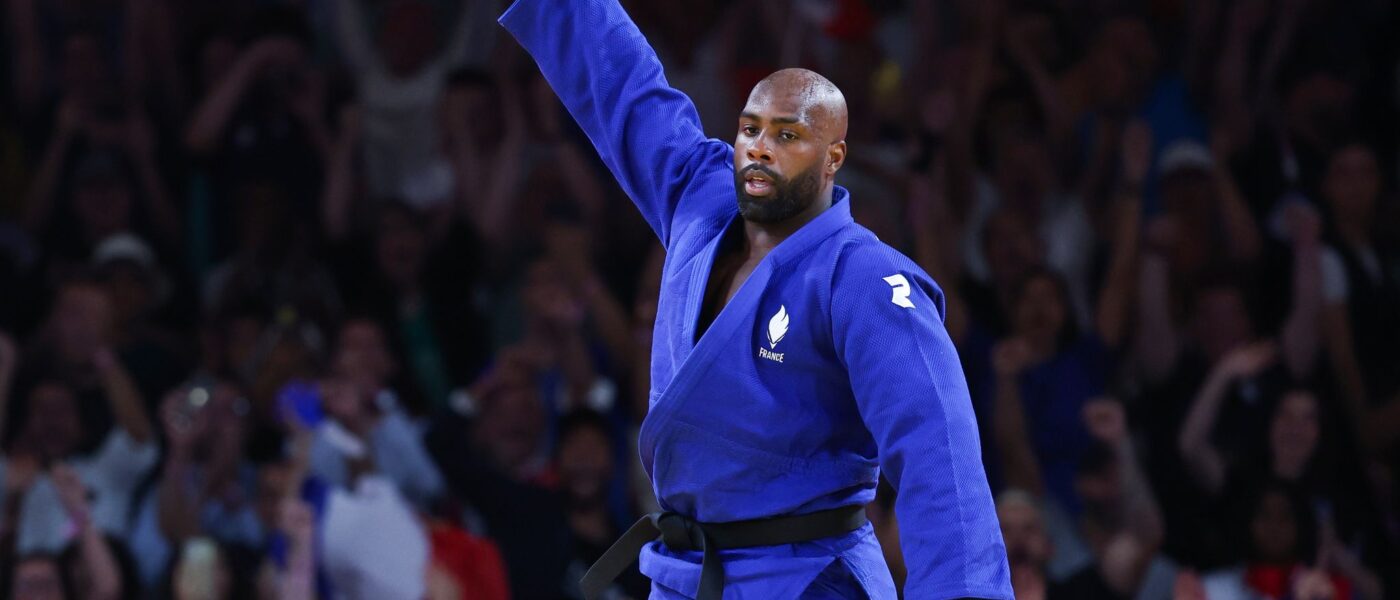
[474,563]
[1274,581]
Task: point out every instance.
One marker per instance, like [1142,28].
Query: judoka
[795,356]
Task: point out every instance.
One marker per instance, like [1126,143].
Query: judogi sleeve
[887,327]
[647,133]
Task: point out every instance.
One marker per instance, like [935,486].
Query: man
[795,357]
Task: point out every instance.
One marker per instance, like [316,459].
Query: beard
[789,197]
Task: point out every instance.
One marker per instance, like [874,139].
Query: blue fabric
[837,581]
[767,416]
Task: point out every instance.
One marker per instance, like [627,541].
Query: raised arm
[1301,335]
[920,415]
[1116,294]
[127,407]
[212,115]
[141,149]
[177,502]
[1157,345]
[1019,466]
[41,201]
[647,133]
[1207,464]
[1125,556]
[104,578]
[338,195]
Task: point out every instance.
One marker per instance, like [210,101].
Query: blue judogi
[829,365]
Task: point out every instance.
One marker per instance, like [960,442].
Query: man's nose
[758,151]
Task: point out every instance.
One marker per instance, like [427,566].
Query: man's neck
[762,238]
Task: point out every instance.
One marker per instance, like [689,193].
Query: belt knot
[679,532]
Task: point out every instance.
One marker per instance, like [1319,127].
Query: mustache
[761,169]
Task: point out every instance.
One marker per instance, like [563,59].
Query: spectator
[56,427]
[1278,528]
[379,432]
[261,120]
[1028,549]
[1205,216]
[421,290]
[138,288]
[587,467]
[1045,375]
[1297,453]
[52,433]
[98,178]
[1117,534]
[1024,181]
[400,75]
[498,462]
[1360,280]
[205,491]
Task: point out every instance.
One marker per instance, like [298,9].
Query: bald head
[813,97]
[790,144]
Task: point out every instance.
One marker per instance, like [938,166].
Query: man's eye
[788,135]
[749,130]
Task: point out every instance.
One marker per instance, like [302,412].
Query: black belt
[681,533]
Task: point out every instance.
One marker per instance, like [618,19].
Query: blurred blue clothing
[1053,395]
[829,366]
[399,454]
[233,523]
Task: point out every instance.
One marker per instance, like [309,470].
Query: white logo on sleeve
[777,328]
[900,293]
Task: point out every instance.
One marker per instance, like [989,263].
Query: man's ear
[835,157]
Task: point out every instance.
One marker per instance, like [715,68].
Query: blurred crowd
[331,299]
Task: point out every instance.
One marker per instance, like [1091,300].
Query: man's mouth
[757,183]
